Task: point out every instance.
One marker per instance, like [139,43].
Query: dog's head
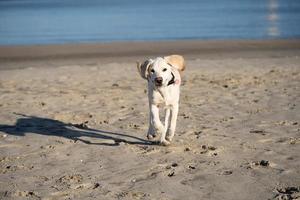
[160,71]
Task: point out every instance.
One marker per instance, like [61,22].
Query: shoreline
[132,51]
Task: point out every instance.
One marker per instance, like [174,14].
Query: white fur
[163,95]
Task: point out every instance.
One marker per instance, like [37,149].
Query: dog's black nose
[159,80]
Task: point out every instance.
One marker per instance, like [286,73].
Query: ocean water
[25,22]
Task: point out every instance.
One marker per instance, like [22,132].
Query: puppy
[164,79]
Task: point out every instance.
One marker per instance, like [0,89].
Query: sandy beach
[73,122]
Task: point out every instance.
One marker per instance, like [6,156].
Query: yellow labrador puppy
[164,79]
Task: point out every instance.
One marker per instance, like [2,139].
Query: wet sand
[73,123]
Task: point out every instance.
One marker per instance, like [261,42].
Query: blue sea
[27,22]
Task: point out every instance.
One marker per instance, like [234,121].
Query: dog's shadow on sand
[51,127]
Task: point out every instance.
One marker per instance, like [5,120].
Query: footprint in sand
[290,193]
[28,194]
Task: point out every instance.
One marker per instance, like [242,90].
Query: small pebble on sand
[264,163]
[171,174]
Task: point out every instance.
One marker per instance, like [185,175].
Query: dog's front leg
[151,132]
[167,118]
[159,127]
[171,130]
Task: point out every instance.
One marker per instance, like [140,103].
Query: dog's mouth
[158,84]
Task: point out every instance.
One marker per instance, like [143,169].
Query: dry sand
[75,127]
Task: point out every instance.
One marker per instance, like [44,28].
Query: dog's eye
[152,70]
[165,69]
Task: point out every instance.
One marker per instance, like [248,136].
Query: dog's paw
[169,138]
[170,135]
[165,143]
[151,136]
[151,133]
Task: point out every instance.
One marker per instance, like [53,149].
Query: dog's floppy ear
[176,61]
[143,68]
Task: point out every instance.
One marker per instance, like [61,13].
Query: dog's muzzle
[158,81]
